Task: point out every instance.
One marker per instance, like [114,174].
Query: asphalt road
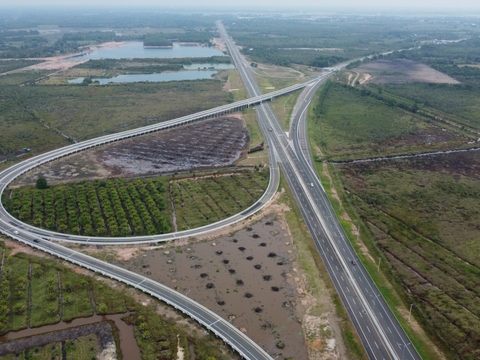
[379,331]
[10,174]
[366,310]
[222,328]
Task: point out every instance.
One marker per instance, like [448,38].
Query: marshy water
[249,278]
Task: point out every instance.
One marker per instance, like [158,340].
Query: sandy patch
[219,44]
[63,62]
[401,71]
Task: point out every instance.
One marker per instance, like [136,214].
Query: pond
[135,49]
[170,76]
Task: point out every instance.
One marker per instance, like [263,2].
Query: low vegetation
[206,200]
[351,123]
[422,218]
[45,117]
[418,214]
[53,292]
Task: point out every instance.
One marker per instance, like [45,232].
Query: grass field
[283,108]
[424,222]
[202,201]
[9,65]
[460,103]
[350,124]
[46,117]
[418,215]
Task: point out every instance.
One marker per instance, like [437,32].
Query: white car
[15,232]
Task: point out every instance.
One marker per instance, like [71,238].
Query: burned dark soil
[208,144]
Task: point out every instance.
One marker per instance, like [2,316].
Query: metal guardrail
[75,257]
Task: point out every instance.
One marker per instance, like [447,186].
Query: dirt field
[400,71]
[205,145]
[63,62]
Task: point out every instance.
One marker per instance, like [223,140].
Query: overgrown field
[136,207]
[8,65]
[35,292]
[36,116]
[206,200]
[455,102]
[351,123]
[424,215]
[421,214]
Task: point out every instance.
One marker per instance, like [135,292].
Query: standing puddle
[249,278]
[128,345]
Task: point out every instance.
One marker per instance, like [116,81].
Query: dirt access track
[205,145]
[401,71]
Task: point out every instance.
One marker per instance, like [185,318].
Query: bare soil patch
[205,145]
[249,278]
[65,62]
[400,71]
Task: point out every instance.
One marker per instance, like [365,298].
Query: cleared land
[204,145]
[400,71]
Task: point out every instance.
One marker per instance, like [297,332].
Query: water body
[128,344]
[170,76]
[135,49]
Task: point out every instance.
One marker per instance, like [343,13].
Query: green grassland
[206,200]
[351,123]
[85,347]
[51,351]
[283,108]
[9,65]
[456,102]
[423,217]
[36,116]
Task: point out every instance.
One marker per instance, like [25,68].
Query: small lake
[135,49]
[170,76]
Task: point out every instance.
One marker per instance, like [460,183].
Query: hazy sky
[272,4]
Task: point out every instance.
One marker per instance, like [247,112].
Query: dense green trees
[42,183]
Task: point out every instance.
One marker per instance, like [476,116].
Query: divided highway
[377,327]
[381,335]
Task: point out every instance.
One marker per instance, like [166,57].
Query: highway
[377,327]
[378,330]
[10,174]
